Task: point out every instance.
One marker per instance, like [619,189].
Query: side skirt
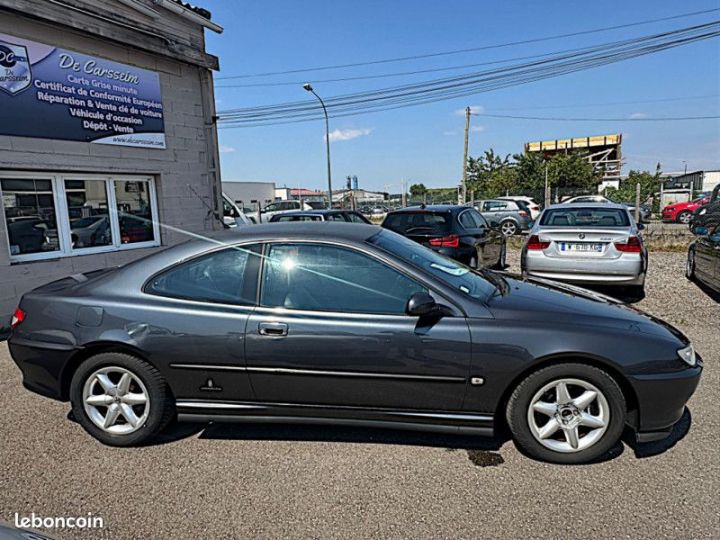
[438,421]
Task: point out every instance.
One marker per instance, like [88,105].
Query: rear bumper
[662,399]
[41,364]
[625,270]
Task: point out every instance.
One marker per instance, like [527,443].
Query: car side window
[335,217]
[327,278]
[217,277]
[467,221]
[480,221]
[353,217]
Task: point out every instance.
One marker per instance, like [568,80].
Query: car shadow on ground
[650,449]
[710,293]
[482,451]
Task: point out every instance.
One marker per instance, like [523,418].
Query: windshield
[453,273]
[420,223]
[585,217]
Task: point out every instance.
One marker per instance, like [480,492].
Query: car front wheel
[567,413]
[684,217]
[120,399]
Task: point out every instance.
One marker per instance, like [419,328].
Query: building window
[58,215]
[30,216]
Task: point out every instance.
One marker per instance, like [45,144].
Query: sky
[425,143]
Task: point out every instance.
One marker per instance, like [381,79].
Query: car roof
[587,205]
[315,212]
[428,208]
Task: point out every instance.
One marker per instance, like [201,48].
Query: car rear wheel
[508,228]
[119,399]
[690,265]
[567,413]
[684,217]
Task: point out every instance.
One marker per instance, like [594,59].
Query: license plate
[581,248]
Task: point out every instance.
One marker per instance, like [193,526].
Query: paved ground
[272,482]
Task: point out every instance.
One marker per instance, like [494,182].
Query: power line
[472,49]
[562,119]
[469,84]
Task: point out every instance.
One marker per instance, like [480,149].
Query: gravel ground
[298,482]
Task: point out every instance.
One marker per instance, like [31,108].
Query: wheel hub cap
[116,400]
[568,415]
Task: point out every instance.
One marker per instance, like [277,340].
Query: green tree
[649,185]
[417,190]
[480,170]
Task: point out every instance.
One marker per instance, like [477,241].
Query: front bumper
[662,399]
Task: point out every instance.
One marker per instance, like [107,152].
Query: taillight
[632,245]
[452,240]
[17,318]
[523,213]
[534,243]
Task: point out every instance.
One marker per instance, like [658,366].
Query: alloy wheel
[685,217]
[116,400]
[568,415]
[508,228]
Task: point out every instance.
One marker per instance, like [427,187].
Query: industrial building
[249,194]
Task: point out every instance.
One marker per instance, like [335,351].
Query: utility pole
[465,155]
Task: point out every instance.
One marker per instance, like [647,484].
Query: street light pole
[308,87]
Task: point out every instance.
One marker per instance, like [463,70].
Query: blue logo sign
[15,73]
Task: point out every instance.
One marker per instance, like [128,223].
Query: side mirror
[701,231]
[640,226]
[421,304]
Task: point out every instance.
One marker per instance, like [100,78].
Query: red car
[682,212]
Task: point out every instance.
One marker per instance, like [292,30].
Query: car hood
[545,300]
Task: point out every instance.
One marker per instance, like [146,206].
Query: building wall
[188,163]
[247,192]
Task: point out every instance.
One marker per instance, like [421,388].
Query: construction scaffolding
[603,151]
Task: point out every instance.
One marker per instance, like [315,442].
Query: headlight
[687,355]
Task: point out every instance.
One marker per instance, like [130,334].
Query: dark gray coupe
[349,324]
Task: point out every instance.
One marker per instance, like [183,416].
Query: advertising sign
[54,93]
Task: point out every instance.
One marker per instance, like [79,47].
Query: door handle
[272,329]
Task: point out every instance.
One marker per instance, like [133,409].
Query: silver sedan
[595,243]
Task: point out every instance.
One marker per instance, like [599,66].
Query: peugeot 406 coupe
[349,324]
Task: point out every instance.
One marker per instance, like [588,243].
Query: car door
[704,258]
[474,234]
[194,319]
[331,330]
[493,239]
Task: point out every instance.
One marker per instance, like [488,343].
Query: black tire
[519,403]
[690,266]
[161,403]
[685,217]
